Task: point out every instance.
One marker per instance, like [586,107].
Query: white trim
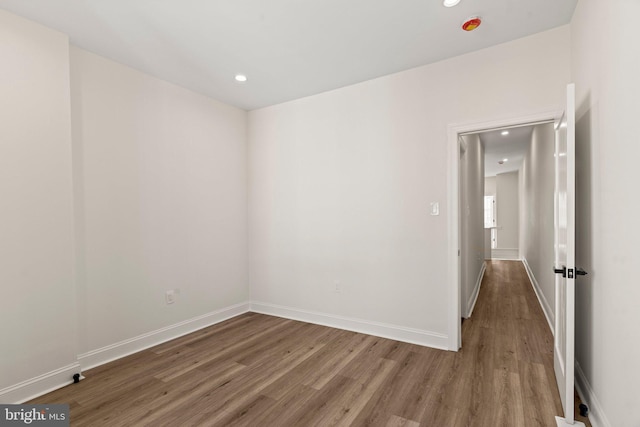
[37,386]
[546,307]
[61,377]
[561,422]
[454,327]
[476,291]
[453,218]
[544,116]
[511,254]
[384,330]
[124,348]
[597,418]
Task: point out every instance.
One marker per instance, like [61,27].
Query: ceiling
[287,48]
[498,147]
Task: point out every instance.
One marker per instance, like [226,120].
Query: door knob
[562,271]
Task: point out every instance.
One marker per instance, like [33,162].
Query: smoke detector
[471,23]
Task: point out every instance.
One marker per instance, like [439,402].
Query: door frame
[454,237]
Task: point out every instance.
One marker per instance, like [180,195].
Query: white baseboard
[37,386]
[124,348]
[53,380]
[476,291]
[546,307]
[597,418]
[505,253]
[398,333]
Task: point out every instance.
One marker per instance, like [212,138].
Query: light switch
[435,208]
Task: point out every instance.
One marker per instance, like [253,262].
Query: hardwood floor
[257,370]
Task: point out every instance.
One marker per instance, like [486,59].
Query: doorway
[458,210]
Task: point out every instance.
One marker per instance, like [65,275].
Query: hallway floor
[508,336]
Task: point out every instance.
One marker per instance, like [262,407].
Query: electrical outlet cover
[170,297]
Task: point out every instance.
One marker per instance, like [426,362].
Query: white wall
[605,68]
[38,315]
[537,176]
[490,186]
[507,210]
[340,183]
[155,179]
[471,220]
[161,201]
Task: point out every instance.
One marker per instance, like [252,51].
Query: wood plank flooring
[257,370]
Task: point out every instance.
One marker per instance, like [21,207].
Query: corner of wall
[597,417]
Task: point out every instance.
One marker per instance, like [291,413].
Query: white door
[565,267]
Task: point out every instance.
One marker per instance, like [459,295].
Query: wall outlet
[170,297]
[337,286]
[434,208]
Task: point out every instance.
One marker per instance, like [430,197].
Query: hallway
[508,354]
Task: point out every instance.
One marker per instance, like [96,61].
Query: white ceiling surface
[498,147]
[288,48]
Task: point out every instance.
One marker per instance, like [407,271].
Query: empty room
[270,213]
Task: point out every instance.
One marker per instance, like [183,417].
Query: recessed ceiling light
[241,78]
[505,160]
[450,3]
[505,132]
